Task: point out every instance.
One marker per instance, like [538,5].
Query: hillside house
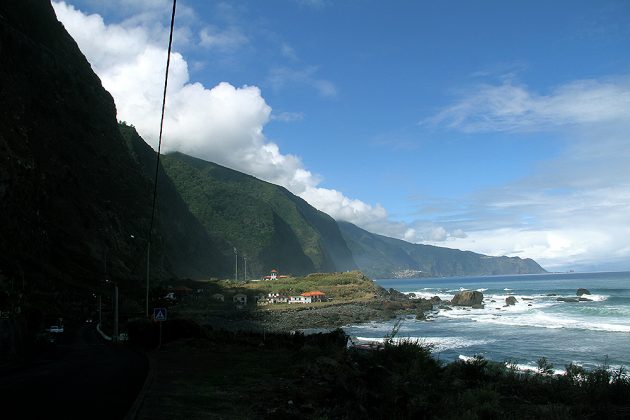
[272,276]
[300,299]
[316,296]
[277,298]
[240,300]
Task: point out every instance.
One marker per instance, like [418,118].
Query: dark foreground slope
[265,222]
[382,257]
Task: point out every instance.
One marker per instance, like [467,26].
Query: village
[240,300]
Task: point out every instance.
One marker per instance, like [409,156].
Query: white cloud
[288,116]
[512,107]
[282,77]
[211,37]
[574,211]
[223,124]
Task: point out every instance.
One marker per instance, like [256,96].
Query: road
[83,378]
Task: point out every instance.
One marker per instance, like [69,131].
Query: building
[277,298]
[316,296]
[272,276]
[300,299]
[240,300]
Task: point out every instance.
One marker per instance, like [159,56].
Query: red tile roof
[315,293]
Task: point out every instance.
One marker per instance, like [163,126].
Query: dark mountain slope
[70,195]
[382,257]
[273,227]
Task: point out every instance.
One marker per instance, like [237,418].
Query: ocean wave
[539,319]
[429,295]
[438,344]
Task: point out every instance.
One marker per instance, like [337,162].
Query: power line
[157,162]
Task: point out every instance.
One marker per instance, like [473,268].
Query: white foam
[547,315]
[438,344]
[429,295]
[519,367]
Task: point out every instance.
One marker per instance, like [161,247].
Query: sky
[497,127]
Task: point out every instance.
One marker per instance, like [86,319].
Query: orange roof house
[316,296]
[312,294]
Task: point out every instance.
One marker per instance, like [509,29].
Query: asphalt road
[82,377]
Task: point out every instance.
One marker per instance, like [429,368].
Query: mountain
[70,194]
[265,222]
[382,257]
[190,252]
[75,194]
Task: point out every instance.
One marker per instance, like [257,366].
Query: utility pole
[236,264]
[245,259]
[148,260]
[115,336]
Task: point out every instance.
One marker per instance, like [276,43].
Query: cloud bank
[222,124]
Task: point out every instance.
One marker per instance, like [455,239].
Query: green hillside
[189,250]
[382,257]
[265,222]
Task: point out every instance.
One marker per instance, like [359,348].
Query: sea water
[591,334]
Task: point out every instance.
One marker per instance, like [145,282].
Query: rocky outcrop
[510,300]
[467,298]
[581,291]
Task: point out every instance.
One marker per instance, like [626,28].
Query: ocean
[590,334]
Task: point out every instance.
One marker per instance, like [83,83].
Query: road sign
[159,314]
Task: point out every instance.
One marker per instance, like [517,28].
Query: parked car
[55,329]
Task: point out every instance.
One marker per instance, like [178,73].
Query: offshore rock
[582,291]
[467,298]
[510,300]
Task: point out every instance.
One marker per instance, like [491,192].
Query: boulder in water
[510,300]
[567,299]
[467,298]
[581,291]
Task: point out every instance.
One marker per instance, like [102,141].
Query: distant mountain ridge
[383,257]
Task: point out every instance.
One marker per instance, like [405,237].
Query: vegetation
[317,376]
[265,222]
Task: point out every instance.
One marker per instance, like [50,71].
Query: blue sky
[499,127]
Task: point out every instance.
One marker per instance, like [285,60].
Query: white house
[240,299]
[300,299]
[277,298]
